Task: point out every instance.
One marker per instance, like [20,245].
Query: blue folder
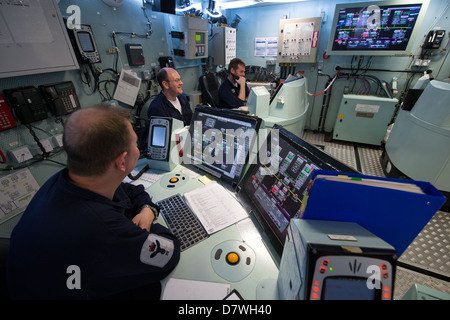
[395,216]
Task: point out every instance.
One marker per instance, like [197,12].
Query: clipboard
[396,216]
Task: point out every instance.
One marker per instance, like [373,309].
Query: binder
[396,216]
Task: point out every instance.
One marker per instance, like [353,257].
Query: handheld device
[82,39]
[162,141]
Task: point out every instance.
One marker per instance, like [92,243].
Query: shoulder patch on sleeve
[156,251]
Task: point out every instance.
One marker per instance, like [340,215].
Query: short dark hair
[92,145]
[234,63]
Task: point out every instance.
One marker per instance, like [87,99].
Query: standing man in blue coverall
[233,91]
[86,234]
[170,102]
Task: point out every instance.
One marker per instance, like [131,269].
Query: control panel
[298,40]
[224,45]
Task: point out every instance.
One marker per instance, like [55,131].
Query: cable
[328,87]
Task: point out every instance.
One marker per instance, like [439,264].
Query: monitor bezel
[362,52]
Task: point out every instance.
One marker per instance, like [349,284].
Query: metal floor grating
[429,253]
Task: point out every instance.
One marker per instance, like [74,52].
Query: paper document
[215,207]
[179,289]
[147,178]
[128,87]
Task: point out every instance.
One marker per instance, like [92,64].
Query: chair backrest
[209,87]
[4,249]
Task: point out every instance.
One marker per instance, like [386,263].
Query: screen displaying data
[276,188]
[375,28]
[221,140]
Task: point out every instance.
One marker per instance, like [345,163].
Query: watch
[154,210]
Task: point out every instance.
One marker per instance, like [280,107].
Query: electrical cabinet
[224,45]
[194,42]
[298,40]
[363,119]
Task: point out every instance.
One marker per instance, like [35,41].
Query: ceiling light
[237,4]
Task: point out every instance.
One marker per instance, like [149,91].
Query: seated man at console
[85,234]
[170,102]
[233,91]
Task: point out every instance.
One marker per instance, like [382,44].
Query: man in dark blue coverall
[233,91]
[85,234]
[170,102]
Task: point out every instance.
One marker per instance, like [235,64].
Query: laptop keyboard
[181,221]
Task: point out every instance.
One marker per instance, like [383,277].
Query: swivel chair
[209,87]
[4,249]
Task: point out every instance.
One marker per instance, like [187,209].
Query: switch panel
[224,45]
[20,154]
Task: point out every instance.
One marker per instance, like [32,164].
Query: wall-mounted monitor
[386,28]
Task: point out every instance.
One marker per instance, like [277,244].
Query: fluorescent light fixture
[237,4]
[197,6]
[218,14]
[281,1]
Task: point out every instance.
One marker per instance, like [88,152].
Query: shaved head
[94,137]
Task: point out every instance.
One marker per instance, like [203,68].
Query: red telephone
[6,118]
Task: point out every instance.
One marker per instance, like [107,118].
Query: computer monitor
[376,28]
[275,187]
[221,140]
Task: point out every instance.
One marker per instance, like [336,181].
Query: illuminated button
[232,258]
[315,295]
[325,262]
[322,270]
[383,267]
[316,289]
[173,180]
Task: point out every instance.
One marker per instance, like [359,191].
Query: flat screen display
[86,41]
[159,136]
[221,140]
[374,28]
[276,189]
[347,288]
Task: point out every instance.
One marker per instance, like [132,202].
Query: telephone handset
[235,77]
[83,40]
[26,103]
[434,39]
[61,97]
[6,118]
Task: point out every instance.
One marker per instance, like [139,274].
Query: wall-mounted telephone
[26,103]
[434,39]
[6,118]
[61,97]
[84,44]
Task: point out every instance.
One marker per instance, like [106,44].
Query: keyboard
[182,222]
